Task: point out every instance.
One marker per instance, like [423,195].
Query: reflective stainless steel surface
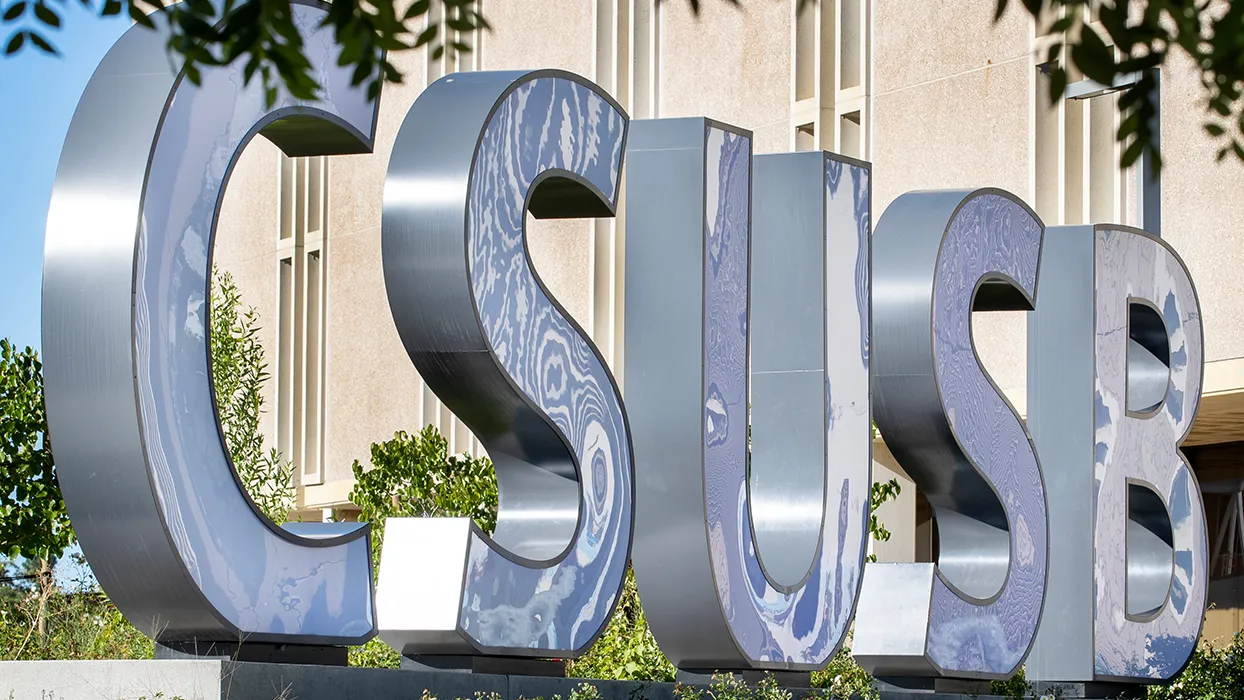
[938,257]
[747,565]
[1149,537]
[1060,418]
[901,594]
[174,540]
[475,154]
[1114,377]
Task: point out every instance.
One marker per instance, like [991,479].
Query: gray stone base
[928,688]
[219,679]
[498,665]
[1089,690]
[784,679]
[222,679]
[321,655]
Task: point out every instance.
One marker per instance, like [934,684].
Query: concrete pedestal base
[264,653]
[499,665]
[1089,690]
[785,679]
[221,679]
[218,679]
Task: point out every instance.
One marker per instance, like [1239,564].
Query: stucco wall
[955,112]
[1203,209]
[730,64]
[952,105]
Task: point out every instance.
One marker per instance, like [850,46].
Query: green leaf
[1214,129]
[140,17]
[15,10]
[460,24]
[427,35]
[47,15]
[361,72]
[1058,85]
[43,44]
[418,8]
[1093,57]
[1062,24]
[15,43]
[1132,153]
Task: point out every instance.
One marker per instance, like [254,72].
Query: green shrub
[33,520]
[1016,687]
[626,650]
[1213,673]
[375,654]
[80,625]
[239,373]
[41,621]
[729,686]
[416,476]
[843,678]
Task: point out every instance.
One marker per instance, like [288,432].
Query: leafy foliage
[1128,38]
[1109,41]
[729,686]
[375,654]
[881,493]
[239,373]
[1213,673]
[262,34]
[33,521]
[416,476]
[626,650]
[582,691]
[843,678]
[81,623]
[1016,687]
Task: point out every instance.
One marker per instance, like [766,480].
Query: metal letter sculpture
[166,526]
[748,556]
[974,613]
[1115,377]
[476,153]
[740,572]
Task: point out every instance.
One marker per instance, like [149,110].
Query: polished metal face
[168,530]
[747,565]
[1130,600]
[939,256]
[476,153]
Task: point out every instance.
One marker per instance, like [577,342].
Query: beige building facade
[934,93]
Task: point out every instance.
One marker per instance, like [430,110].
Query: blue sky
[38,94]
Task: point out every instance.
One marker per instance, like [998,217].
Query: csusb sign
[1076,542]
